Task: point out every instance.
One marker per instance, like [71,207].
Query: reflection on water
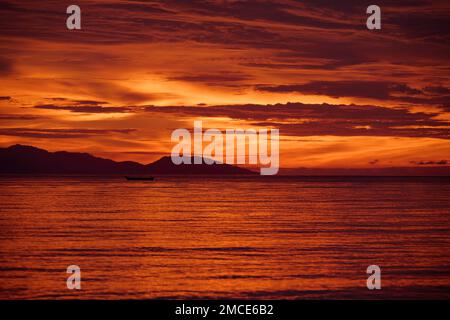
[249,237]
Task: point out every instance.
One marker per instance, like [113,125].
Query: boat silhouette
[139,178]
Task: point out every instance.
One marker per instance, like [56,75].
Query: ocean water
[237,237]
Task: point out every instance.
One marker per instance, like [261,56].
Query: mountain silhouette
[165,166]
[28,159]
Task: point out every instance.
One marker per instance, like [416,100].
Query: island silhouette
[24,159]
[28,159]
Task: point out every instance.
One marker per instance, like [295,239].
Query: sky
[341,95]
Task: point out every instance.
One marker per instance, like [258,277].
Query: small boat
[139,178]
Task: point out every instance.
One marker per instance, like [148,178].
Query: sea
[235,237]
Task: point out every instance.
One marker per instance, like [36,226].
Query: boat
[139,178]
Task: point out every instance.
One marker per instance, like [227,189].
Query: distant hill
[165,166]
[31,160]
[28,159]
[423,171]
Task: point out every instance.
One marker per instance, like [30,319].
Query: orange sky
[341,95]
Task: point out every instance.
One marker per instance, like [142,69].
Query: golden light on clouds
[340,95]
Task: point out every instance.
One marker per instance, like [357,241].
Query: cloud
[431,162]
[116,92]
[19,117]
[60,133]
[299,119]
[301,111]
[137,7]
[6,66]
[77,102]
[379,90]
[368,89]
[85,108]
[438,90]
[127,51]
[360,89]
[212,79]
[103,92]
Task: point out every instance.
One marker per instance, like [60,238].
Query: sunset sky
[340,94]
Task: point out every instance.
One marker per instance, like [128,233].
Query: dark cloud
[302,111]
[169,18]
[438,90]
[299,119]
[137,7]
[427,26]
[60,133]
[331,30]
[430,162]
[214,79]
[417,19]
[351,7]
[357,128]
[291,35]
[381,90]
[286,12]
[403,89]
[362,89]
[136,21]
[57,99]
[85,108]
[78,102]
[6,66]
[18,117]
[89,102]
[5,98]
